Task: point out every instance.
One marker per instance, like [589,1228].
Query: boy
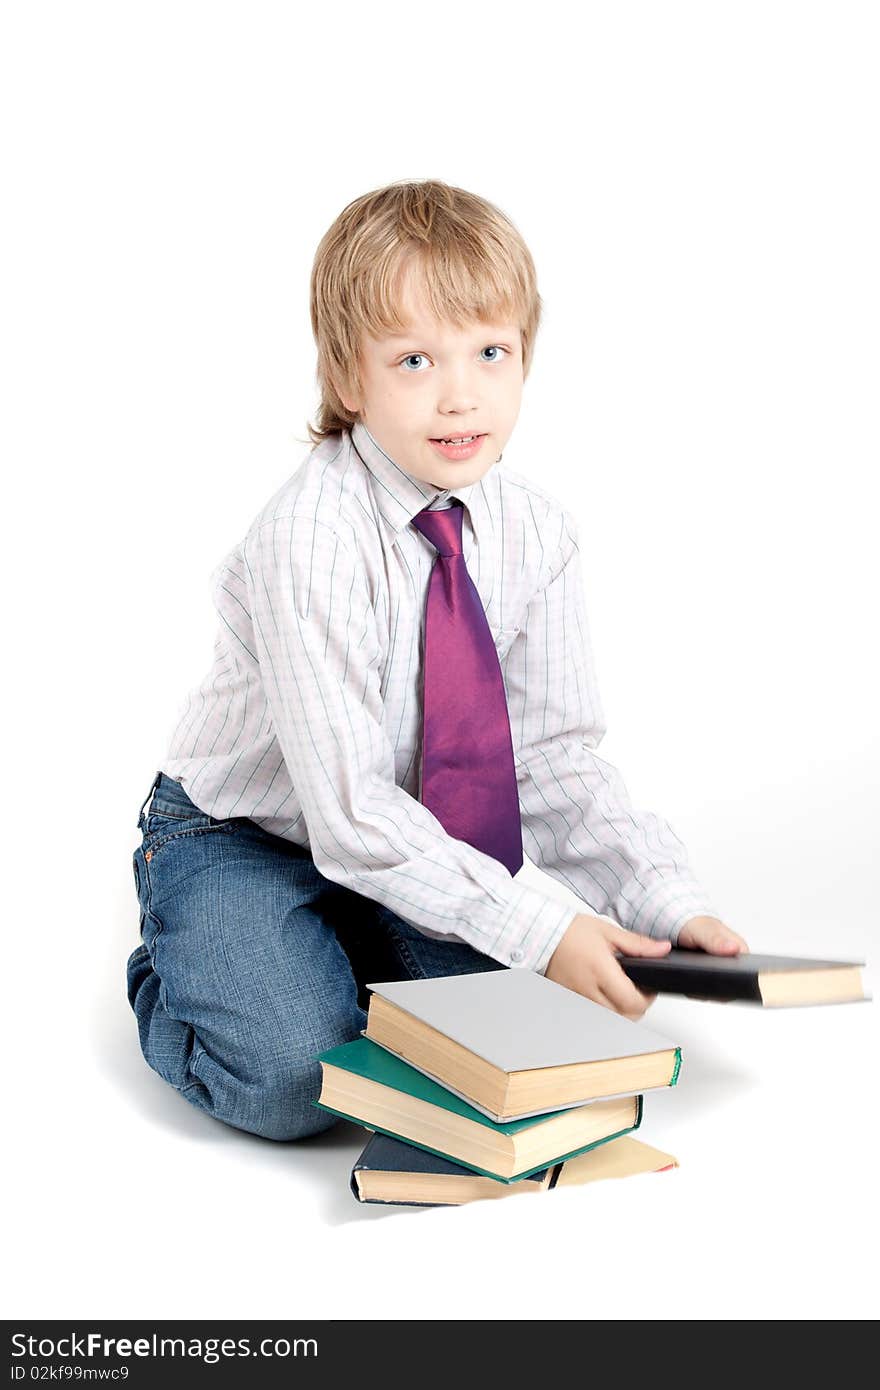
[402,690]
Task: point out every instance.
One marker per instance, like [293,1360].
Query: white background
[698,186]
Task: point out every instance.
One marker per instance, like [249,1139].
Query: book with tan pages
[513,1043]
[772,981]
[391,1172]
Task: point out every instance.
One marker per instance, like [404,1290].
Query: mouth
[458,446]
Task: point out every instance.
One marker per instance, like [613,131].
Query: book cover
[518,1020]
[365,1058]
[748,978]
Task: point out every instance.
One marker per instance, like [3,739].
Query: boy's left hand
[709,934]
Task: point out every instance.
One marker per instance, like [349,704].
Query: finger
[715,938]
[632,943]
[724,942]
[625,997]
[600,997]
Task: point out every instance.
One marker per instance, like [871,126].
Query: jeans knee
[267,1088]
[285,1101]
[277,1098]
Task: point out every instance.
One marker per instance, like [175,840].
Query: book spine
[701,984]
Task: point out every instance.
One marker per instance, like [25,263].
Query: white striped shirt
[309,720]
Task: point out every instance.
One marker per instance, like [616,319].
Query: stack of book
[491,1085]
[503,1082]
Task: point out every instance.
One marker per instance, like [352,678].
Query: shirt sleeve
[579,823]
[320,660]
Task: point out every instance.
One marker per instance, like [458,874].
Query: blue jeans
[252,963]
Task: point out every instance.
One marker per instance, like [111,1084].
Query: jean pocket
[141,888]
[161,830]
[164,820]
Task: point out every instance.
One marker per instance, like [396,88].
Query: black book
[772,981]
[389,1170]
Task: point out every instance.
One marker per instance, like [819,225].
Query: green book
[369,1085]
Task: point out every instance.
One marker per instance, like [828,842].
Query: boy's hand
[584,961]
[709,934]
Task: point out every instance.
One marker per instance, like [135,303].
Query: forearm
[389,847]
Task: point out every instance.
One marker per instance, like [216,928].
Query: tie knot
[442,527]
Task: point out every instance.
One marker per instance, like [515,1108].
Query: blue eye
[420,356]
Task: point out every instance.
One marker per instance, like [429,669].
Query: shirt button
[516,955]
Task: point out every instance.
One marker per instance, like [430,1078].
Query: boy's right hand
[584,961]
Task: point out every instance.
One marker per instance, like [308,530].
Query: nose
[459,394]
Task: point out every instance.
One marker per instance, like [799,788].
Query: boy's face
[437,381]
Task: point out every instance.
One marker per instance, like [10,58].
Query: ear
[347,393]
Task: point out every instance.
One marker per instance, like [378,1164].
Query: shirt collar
[400,496]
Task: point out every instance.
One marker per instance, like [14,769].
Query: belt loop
[141,818]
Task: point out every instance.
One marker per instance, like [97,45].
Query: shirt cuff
[532,930]
[667,907]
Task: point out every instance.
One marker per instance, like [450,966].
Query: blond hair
[475,266]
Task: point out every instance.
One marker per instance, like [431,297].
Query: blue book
[389,1171]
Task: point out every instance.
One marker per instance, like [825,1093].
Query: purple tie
[468,773]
